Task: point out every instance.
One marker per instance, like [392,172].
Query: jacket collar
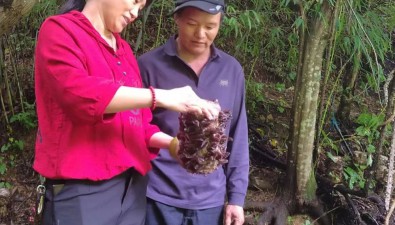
[85,24]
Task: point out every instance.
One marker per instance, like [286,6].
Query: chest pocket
[133,129]
[135,118]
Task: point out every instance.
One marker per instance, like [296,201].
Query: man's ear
[222,17]
[176,17]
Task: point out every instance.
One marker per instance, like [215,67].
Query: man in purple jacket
[190,58]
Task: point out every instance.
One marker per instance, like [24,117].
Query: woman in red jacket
[95,140]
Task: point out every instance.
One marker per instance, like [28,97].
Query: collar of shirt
[170,48]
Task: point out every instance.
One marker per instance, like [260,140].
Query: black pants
[118,201]
[161,214]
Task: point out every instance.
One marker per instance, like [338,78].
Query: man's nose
[199,32]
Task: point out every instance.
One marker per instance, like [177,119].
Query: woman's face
[117,14]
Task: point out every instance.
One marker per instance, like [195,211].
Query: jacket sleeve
[237,168]
[61,65]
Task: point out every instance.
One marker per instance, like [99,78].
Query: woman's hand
[185,100]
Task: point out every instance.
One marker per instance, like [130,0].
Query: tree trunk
[11,12]
[300,166]
[299,193]
[344,110]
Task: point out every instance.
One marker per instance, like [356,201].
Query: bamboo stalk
[7,86]
[3,107]
[1,88]
[160,24]
[16,74]
[140,38]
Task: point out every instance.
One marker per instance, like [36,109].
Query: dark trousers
[161,214]
[118,201]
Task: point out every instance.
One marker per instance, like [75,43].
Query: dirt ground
[17,203]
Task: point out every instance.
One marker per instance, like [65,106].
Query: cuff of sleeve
[108,117]
[235,198]
[106,99]
[153,152]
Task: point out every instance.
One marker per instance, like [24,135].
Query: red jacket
[76,75]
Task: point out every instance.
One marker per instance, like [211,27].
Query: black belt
[49,182]
[128,173]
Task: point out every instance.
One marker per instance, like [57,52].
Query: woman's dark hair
[70,5]
[78,5]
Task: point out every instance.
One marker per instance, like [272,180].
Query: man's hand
[234,215]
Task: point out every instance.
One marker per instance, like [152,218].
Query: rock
[262,184]
[381,173]
[361,157]
[269,118]
[3,208]
[290,89]
[4,200]
[383,161]
[5,193]
[335,167]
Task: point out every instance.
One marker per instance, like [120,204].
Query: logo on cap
[217,8]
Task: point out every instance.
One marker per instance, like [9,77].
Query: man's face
[196,30]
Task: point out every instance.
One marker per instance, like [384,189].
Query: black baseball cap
[209,6]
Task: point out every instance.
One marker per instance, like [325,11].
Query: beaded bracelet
[153,105]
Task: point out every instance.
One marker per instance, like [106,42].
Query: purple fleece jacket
[222,78]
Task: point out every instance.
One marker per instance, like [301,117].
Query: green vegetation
[13,147]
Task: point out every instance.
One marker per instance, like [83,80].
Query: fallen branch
[277,163]
[258,206]
[354,209]
[325,214]
[345,191]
